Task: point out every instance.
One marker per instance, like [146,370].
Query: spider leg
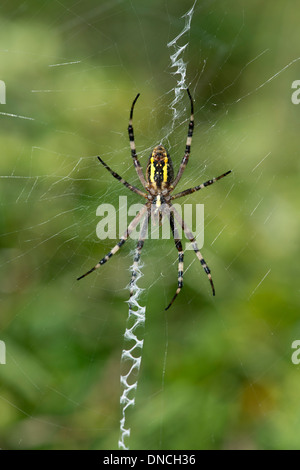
[140,244]
[192,239]
[180,258]
[185,159]
[119,178]
[200,186]
[136,162]
[120,243]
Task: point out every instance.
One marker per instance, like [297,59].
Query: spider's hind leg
[119,178]
[136,162]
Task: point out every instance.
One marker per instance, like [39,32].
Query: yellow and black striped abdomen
[159,172]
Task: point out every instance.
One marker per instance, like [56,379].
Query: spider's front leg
[121,242]
[180,257]
[140,244]
[192,239]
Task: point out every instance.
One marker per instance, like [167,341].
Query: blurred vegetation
[71,71]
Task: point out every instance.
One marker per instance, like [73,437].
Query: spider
[159,182]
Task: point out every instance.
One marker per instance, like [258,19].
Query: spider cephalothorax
[159,183]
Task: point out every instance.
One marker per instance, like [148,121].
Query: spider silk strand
[131,356]
[178,63]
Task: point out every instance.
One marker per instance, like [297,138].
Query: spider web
[216,372]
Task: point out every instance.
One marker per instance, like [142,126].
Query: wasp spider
[159,183]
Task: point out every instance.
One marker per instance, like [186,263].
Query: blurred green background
[216,372]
